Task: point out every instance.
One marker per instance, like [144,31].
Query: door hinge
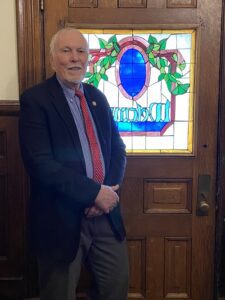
[41,5]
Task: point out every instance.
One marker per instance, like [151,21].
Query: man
[76,160]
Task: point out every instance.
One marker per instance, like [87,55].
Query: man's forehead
[71,37]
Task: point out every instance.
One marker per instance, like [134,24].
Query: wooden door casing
[171,248]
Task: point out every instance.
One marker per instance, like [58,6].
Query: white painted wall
[9,82]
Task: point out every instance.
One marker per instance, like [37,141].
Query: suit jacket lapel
[61,105]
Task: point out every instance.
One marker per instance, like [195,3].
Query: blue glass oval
[132,71]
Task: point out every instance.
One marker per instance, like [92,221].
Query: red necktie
[94,146]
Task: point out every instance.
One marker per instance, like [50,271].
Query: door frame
[29,21]
[220,197]
[30,45]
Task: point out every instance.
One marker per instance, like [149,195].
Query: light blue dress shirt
[74,105]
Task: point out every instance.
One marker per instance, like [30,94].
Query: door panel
[171,247]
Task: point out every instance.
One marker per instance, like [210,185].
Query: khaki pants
[104,256]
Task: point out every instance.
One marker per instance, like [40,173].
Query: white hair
[55,36]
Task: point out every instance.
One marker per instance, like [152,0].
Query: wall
[9,89]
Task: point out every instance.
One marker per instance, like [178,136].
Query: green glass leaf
[163,62]
[102,43]
[161,77]
[151,55]
[88,74]
[152,61]
[177,75]
[112,59]
[158,63]
[102,71]
[105,77]
[162,70]
[96,82]
[166,78]
[182,66]
[181,89]
[107,65]
[172,78]
[109,45]
[113,53]
[175,57]
[169,85]
[113,39]
[156,47]
[91,79]
[152,39]
[116,47]
[101,62]
[98,76]
[149,49]
[185,86]
[151,58]
[104,62]
[162,44]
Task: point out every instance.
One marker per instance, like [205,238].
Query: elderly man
[76,160]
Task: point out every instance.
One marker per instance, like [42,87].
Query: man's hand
[107,198]
[93,211]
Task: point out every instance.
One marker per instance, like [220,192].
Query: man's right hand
[107,198]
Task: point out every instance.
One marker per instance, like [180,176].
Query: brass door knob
[204,207]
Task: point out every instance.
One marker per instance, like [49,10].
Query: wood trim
[9,108]
[132,4]
[82,3]
[181,3]
[13,204]
[30,43]
[220,229]
[25,285]
[127,26]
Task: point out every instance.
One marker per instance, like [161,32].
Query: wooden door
[168,200]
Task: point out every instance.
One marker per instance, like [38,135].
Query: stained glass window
[147,77]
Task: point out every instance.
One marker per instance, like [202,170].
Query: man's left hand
[93,211]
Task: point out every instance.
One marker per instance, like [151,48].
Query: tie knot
[79,93]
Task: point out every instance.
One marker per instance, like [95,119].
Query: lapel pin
[94,103]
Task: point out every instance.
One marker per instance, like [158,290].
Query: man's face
[69,57]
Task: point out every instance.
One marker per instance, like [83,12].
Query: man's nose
[74,55]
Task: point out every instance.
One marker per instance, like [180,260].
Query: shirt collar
[66,89]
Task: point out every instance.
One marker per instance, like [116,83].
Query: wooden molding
[83,3]
[9,108]
[132,3]
[182,3]
[30,43]
[12,204]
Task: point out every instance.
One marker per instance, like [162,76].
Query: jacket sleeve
[39,160]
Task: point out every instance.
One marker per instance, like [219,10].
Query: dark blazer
[53,158]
